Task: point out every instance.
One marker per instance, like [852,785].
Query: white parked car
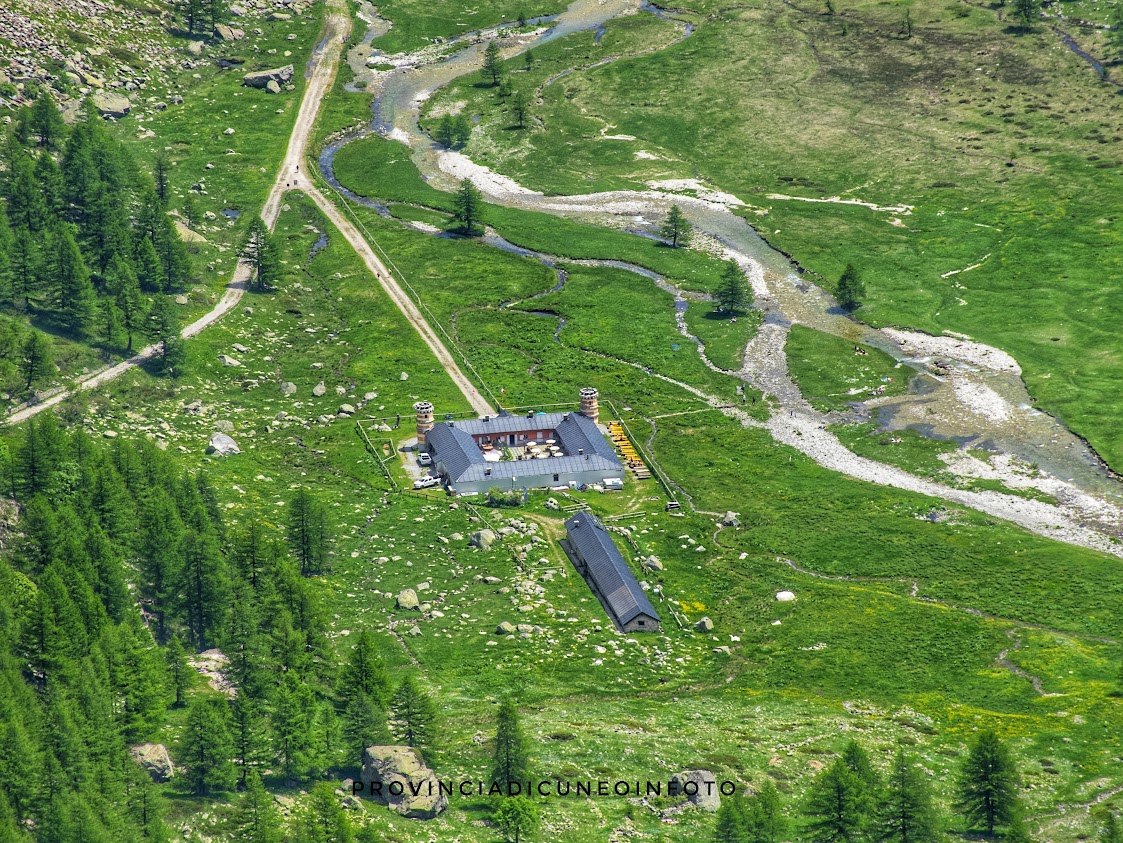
[426,482]
[424,459]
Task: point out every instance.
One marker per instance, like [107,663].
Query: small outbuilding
[595,556]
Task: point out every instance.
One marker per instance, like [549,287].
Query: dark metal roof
[453,448]
[502,425]
[607,568]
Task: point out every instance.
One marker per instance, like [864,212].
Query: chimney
[589,406]
[424,410]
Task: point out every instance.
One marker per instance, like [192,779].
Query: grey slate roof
[607,569]
[452,445]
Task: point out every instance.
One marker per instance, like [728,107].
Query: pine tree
[323,819]
[1028,10]
[256,820]
[24,262]
[193,14]
[149,269]
[988,785]
[35,358]
[413,718]
[528,57]
[245,735]
[164,329]
[260,251]
[492,65]
[732,293]
[190,212]
[836,806]
[676,228]
[124,287]
[764,818]
[217,11]
[205,747]
[46,122]
[468,207]
[731,822]
[73,292]
[851,289]
[306,532]
[461,130]
[905,813]
[293,733]
[26,207]
[520,107]
[365,672]
[445,133]
[160,177]
[364,724]
[516,817]
[511,761]
[179,672]
[203,587]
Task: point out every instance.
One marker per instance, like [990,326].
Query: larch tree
[1028,11]
[35,360]
[517,817]
[1111,831]
[205,747]
[520,108]
[468,207]
[179,672]
[256,819]
[492,66]
[413,718]
[905,812]
[732,293]
[988,785]
[444,133]
[307,532]
[260,251]
[676,229]
[765,819]
[461,130]
[836,806]
[164,329]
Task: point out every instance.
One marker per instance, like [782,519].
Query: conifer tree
[46,122]
[520,107]
[245,735]
[364,724]
[468,207]
[836,806]
[260,251]
[365,672]
[72,291]
[461,130]
[293,732]
[510,759]
[323,819]
[492,65]
[1112,831]
[676,228]
[36,361]
[257,820]
[732,293]
[160,176]
[124,287]
[444,134]
[988,785]
[23,268]
[905,813]
[517,817]
[164,328]
[179,672]
[765,820]
[413,718]
[26,206]
[205,747]
[307,532]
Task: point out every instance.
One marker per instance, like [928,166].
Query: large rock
[699,786]
[110,104]
[704,625]
[652,563]
[261,78]
[227,33]
[730,520]
[288,388]
[155,760]
[397,777]
[407,599]
[483,539]
[223,445]
[505,628]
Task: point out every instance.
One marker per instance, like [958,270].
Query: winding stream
[963,390]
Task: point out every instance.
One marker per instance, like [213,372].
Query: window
[642,623]
[555,478]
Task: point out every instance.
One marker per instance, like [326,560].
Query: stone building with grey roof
[597,558]
[550,449]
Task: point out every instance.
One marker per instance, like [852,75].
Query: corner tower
[424,410]
[589,404]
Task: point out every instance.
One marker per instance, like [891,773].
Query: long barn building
[604,568]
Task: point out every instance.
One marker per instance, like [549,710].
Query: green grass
[417,23]
[724,335]
[831,373]
[997,136]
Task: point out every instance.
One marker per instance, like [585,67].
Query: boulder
[704,625]
[288,388]
[155,760]
[223,445]
[195,48]
[279,16]
[319,390]
[272,87]
[224,426]
[227,360]
[181,300]
[505,628]
[730,520]
[261,78]
[699,786]
[394,774]
[785,596]
[483,539]
[110,104]
[652,563]
[407,599]
[224,32]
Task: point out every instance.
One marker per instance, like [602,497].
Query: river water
[954,394]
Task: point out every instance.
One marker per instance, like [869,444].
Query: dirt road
[325,59]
